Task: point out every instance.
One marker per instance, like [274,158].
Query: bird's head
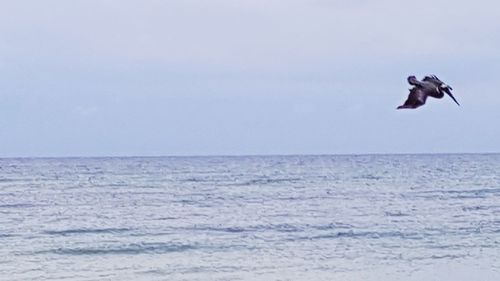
[412,80]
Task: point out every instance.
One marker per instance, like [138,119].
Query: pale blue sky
[121,77]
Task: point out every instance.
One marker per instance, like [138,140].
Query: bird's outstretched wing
[431,78]
[416,98]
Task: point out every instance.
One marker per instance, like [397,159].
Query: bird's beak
[447,91]
[444,86]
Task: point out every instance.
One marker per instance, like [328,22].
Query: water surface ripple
[360,217]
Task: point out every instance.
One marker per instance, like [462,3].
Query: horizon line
[250,155]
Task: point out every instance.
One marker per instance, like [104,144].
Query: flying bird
[429,86]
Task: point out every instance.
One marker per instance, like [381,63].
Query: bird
[429,86]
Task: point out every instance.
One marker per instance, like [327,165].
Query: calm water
[394,217]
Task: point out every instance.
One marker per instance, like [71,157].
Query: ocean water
[363,217]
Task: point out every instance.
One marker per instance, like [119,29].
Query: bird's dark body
[430,86]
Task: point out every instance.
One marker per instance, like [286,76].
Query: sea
[318,217]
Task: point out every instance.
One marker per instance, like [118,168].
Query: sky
[238,77]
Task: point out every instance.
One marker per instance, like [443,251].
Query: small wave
[459,194]
[8,180]
[286,228]
[265,181]
[225,229]
[439,257]
[396,214]
[200,180]
[131,249]
[254,228]
[368,177]
[19,205]
[477,208]
[449,256]
[166,218]
[367,235]
[86,231]
[271,227]
[332,226]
